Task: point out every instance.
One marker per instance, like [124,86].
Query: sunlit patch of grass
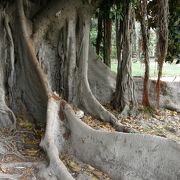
[138,69]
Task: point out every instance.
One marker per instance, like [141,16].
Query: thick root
[93,106]
[124,156]
[53,142]
[172,107]
[10,176]
[87,99]
[7,117]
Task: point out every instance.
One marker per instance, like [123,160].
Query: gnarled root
[172,107]
[53,142]
[87,99]
[120,155]
[92,105]
[124,156]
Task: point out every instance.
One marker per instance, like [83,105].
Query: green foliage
[148,110]
[174,25]
[121,8]
[152,9]
[93,32]
[117,11]
[174,29]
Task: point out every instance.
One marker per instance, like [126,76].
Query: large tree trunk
[7,118]
[145,35]
[47,64]
[35,85]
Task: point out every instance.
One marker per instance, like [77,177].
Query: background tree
[124,94]
[162,45]
[105,31]
[107,22]
[145,38]
[99,31]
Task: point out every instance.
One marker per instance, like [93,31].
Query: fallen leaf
[97,173]
[32,152]
[95,178]
[74,166]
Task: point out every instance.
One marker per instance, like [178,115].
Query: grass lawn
[138,69]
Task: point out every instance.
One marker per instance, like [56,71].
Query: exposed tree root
[92,105]
[20,164]
[87,99]
[9,176]
[53,141]
[121,156]
[56,168]
[8,146]
[102,149]
[172,107]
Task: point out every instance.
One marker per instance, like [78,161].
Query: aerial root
[56,168]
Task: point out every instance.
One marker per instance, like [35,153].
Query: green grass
[138,69]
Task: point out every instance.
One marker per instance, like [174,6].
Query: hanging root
[7,117]
[87,99]
[53,140]
[52,143]
[12,58]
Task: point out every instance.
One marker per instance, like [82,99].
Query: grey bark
[124,99]
[34,87]
[120,155]
[124,156]
[145,37]
[53,142]
[7,117]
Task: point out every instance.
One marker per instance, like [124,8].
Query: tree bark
[145,36]
[99,32]
[162,43]
[107,21]
[103,150]
[124,95]
[35,86]
[7,117]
